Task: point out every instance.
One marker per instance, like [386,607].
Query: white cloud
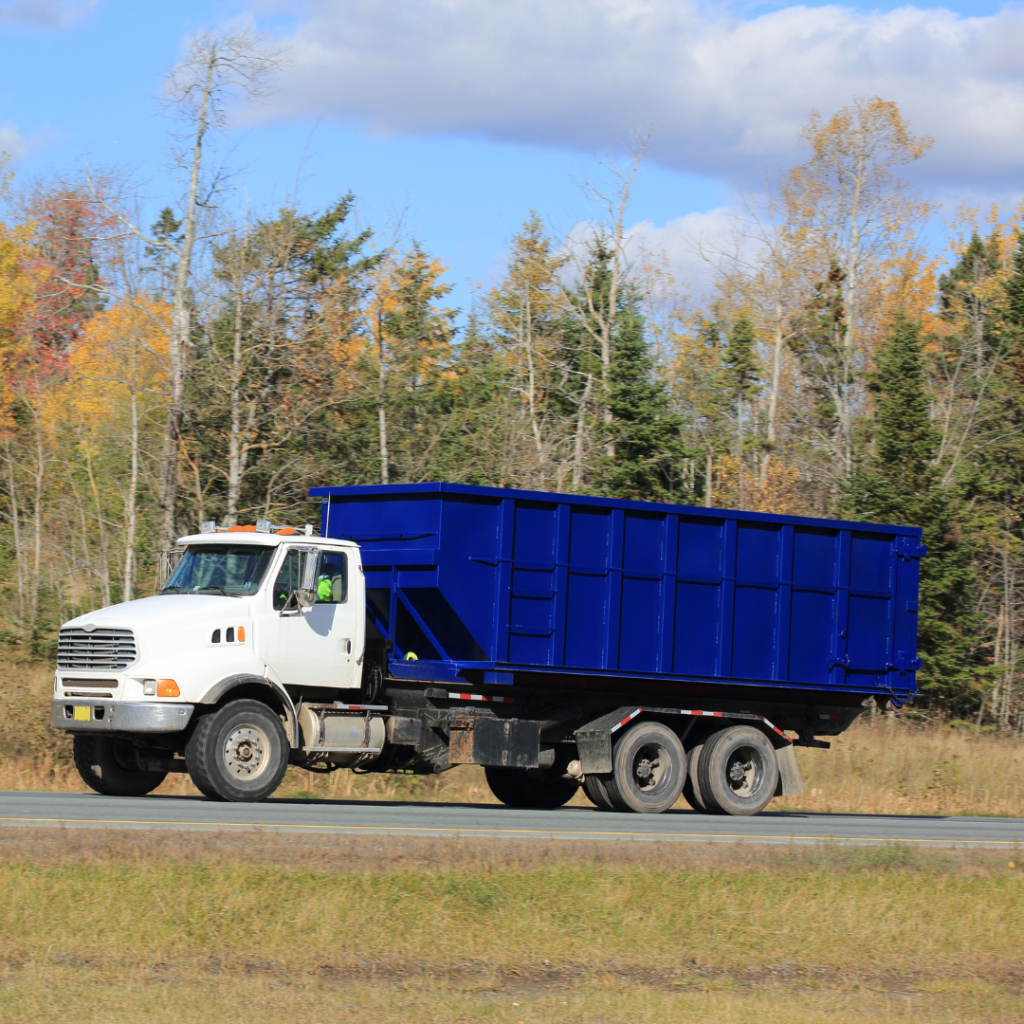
[689,247]
[12,143]
[52,14]
[730,94]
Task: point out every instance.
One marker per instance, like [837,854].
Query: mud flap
[791,782]
[504,743]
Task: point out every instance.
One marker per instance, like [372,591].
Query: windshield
[231,569]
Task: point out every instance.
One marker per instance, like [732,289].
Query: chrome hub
[245,752]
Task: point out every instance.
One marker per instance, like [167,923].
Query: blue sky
[462,115]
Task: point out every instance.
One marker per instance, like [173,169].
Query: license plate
[83,714]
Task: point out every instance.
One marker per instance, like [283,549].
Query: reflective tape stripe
[480,696]
[626,720]
[733,715]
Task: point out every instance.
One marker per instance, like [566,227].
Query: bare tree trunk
[532,390]
[19,555]
[181,319]
[1010,597]
[128,588]
[382,414]
[37,525]
[234,440]
[739,453]
[104,567]
[615,204]
[214,64]
[581,415]
[709,480]
[773,394]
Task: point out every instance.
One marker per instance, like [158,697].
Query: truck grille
[102,649]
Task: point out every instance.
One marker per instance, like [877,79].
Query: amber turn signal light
[167,688]
[241,634]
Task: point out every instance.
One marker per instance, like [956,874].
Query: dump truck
[641,651]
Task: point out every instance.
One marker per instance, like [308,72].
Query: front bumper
[118,716]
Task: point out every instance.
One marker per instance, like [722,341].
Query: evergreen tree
[742,372]
[644,432]
[742,366]
[899,483]
[999,329]
[166,231]
[1014,287]
[818,343]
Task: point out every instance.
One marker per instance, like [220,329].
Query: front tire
[107,765]
[648,769]
[538,789]
[239,753]
[737,771]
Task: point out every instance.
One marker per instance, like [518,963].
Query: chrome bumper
[118,716]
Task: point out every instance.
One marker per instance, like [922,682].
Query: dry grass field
[104,928]
[113,927]
[880,766]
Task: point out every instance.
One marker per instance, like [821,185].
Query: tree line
[204,367]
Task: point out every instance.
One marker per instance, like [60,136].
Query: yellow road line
[514,831]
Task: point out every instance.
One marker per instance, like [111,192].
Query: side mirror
[304,596]
[307,588]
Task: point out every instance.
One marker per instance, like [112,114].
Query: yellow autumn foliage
[776,490]
[18,282]
[123,349]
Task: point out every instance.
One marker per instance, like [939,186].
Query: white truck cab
[272,612]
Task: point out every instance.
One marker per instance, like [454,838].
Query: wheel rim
[246,753]
[649,767]
[744,771]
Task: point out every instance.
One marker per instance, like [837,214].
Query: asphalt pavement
[580,824]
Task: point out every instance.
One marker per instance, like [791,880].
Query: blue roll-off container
[496,586]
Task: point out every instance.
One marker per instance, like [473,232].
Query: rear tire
[648,769]
[597,792]
[691,787]
[737,771]
[239,753]
[107,764]
[539,789]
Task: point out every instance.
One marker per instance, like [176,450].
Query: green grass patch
[112,928]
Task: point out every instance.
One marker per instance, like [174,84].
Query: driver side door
[315,647]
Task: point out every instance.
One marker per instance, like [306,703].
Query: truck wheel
[597,792]
[540,789]
[737,772]
[691,787]
[107,764]
[239,753]
[648,769]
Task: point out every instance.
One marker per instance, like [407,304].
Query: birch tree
[853,212]
[215,69]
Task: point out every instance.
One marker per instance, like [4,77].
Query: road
[87,810]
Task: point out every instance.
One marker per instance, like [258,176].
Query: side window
[287,579]
[332,579]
